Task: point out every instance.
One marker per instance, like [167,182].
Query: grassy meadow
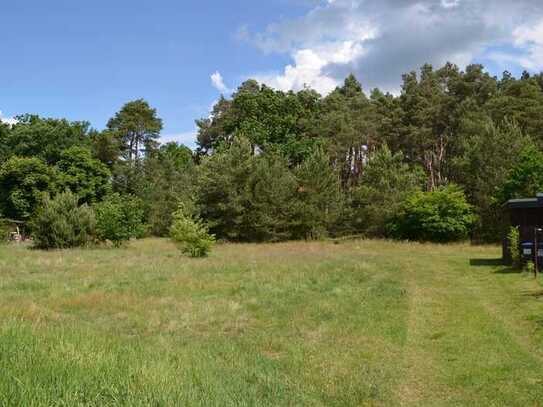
[360,323]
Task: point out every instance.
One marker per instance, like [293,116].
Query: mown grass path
[359,323]
[474,333]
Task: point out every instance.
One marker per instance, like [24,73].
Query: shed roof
[18,222]
[522,203]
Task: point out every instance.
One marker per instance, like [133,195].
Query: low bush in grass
[442,215]
[119,218]
[513,238]
[191,235]
[61,223]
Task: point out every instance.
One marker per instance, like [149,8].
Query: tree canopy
[273,165]
[138,128]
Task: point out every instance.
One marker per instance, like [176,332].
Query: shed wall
[527,219]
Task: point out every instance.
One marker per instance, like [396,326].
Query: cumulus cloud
[307,69]
[450,3]
[379,40]
[530,37]
[218,82]
[187,138]
[9,120]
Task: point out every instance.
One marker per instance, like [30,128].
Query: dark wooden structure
[527,215]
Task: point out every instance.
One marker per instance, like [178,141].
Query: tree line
[435,162]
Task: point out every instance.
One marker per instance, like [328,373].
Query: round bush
[119,218]
[60,223]
[442,215]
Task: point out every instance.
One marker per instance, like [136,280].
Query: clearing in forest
[356,323]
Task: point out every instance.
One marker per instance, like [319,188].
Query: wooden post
[536,249]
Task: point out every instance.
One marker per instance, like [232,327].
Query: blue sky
[83,60]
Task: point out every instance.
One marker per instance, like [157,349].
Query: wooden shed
[527,215]
[13,230]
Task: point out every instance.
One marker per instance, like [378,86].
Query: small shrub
[442,215]
[60,223]
[513,238]
[119,218]
[192,235]
[529,267]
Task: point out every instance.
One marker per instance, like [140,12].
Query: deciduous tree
[23,184]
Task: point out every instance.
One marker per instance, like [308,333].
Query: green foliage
[127,178]
[119,218]
[427,123]
[180,155]
[192,235]
[5,229]
[513,238]
[272,200]
[222,194]
[433,125]
[61,223]
[106,147]
[5,130]
[381,190]
[345,122]
[442,215]
[23,184]
[526,178]
[88,178]
[431,107]
[488,153]
[212,131]
[275,165]
[520,101]
[267,118]
[319,198]
[42,138]
[138,128]
[257,197]
[169,179]
[529,267]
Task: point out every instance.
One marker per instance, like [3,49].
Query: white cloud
[379,40]
[530,38]
[450,3]
[307,69]
[9,120]
[187,138]
[218,82]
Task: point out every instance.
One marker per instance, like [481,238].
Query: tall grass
[357,323]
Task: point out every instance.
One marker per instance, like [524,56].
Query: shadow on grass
[485,262]
[534,294]
[502,267]
[507,270]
